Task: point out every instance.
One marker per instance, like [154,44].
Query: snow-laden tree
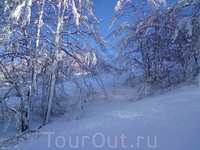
[186,38]
[152,44]
[75,24]
[41,34]
[13,71]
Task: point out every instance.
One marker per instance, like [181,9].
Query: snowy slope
[166,122]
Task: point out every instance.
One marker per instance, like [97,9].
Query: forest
[49,66]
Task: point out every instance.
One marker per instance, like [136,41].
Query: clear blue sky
[104,10]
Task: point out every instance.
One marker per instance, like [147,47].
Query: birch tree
[75,23]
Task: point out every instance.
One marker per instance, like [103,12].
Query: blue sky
[104,10]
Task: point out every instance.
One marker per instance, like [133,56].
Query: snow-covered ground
[169,121]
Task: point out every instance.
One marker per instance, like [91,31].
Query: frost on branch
[28,12]
[76,13]
[120,5]
[186,23]
[17,11]
[157,3]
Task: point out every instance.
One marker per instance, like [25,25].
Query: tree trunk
[50,94]
[33,93]
[2,109]
[51,86]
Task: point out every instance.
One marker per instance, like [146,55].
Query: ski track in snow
[172,118]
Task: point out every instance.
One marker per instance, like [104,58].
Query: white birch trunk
[50,94]
[34,73]
[51,87]
[44,92]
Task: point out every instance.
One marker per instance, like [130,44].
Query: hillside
[169,121]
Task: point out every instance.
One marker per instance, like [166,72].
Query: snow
[17,12]
[169,121]
[184,23]
[156,3]
[119,4]
[76,13]
[28,11]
